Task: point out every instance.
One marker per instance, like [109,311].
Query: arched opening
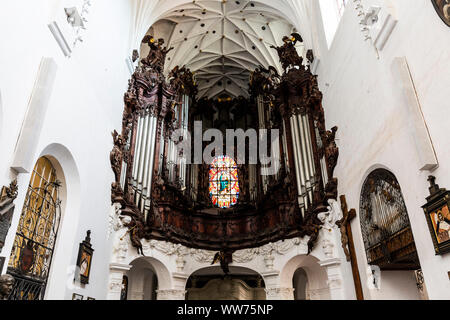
[388,238]
[300,285]
[304,273]
[145,278]
[211,284]
[35,240]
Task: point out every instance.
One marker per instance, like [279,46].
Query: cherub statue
[6,286]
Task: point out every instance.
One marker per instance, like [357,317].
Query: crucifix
[347,244]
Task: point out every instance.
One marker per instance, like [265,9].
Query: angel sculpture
[157,56]
[288,53]
[225,258]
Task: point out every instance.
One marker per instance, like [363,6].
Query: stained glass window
[223,182]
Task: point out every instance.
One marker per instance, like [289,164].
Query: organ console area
[223,205]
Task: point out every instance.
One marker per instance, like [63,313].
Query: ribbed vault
[222,42]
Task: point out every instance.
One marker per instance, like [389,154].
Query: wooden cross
[348,245]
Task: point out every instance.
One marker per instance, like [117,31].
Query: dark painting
[443,9]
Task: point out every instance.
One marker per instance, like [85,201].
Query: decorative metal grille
[384,219]
[32,252]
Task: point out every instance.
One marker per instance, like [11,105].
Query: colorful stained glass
[223,182]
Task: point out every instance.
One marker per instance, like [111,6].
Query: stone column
[116,274]
[335,282]
[274,291]
[171,294]
[280,293]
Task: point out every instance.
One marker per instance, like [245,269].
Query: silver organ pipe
[143,161]
[299,164]
[262,125]
[139,159]
[323,162]
[308,157]
[285,148]
[149,165]
[161,150]
[184,124]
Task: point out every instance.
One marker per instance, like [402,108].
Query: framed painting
[84,260]
[77,296]
[437,212]
[443,9]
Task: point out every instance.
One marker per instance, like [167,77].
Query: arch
[37,233]
[385,224]
[316,274]
[156,266]
[300,284]
[70,194]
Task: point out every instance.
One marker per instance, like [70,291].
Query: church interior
[224,150]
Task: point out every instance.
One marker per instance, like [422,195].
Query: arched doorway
[388,239]
[212,284]
[307,277]
[36,235]
[145,278]
[300,285]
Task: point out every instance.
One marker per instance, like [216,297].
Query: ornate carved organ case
[171,200]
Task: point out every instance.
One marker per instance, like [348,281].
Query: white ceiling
[221,41]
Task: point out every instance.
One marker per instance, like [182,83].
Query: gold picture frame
[84,261]
[437,212]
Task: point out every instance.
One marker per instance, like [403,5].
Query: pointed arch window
[35,239]
[224,182]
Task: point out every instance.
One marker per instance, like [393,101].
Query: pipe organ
[169,197]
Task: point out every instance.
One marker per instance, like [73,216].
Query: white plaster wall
[360,98]
[85,106]
[394,282]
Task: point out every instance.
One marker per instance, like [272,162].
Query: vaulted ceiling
[222,41]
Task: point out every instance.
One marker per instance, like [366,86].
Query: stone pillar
[335,282]
[116,274]
[280,293]
[274,291]
[171,294]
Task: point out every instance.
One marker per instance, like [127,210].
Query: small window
[332,12]
[223,182]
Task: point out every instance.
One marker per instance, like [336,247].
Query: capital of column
[117,271]
[171,294]
[280,293]
[119,267]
